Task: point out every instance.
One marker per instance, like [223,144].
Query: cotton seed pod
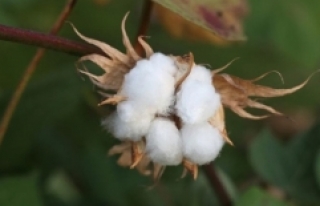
[151,83]
[201,143]
[197,100]
[163,142]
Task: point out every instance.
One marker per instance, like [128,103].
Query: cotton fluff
[201,143]
[197,100]
[151,83]
[163,142]
[129,122]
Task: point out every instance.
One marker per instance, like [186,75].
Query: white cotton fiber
[201,143]
[151,83]
[197,100]
[163,142]
[130,111]
[128,122]
[164,63]
[200,73]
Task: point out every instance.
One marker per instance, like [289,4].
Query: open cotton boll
[151,84]
[197,100]
[127,130]
[201,143]
[163,142]
[164,63]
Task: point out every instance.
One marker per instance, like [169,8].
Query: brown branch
[47,41]
[144,25]
[217,185]
[30,70]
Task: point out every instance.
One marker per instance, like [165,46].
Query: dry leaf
[179,27]
[222,17]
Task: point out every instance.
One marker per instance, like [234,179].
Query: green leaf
[291,166]
[48,100]
[19,190]
[219,16]
[291,28]
[255,196]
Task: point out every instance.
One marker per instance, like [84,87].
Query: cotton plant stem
[48,41]
[217,185]
[144,24]
[30,70]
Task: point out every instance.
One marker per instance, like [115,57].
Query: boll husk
[163,142]
[127,157]
[197,100]
[236,92]
[115,64]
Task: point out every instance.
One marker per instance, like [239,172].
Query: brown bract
[126,158]
[236,92]
[218,121]
[115,64]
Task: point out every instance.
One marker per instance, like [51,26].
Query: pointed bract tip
[215,71]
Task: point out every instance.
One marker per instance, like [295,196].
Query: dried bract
[127,157]
[236,92]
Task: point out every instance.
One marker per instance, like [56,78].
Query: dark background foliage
[54,152]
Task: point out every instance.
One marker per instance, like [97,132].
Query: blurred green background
[54,152]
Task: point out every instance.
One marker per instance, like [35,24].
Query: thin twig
[30,70]
[217,185]
[47,41]
[144,25]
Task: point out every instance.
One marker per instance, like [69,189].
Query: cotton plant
[169,109]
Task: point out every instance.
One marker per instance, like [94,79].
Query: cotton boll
[197,100]
[164,63]
[127,130]
[151,83]
[199,73]
[134,81]
[201,143]
[163,142]
[130,111]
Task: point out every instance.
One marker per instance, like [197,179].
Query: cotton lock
[197,100]
[151,83]
[201,143]
[163,142]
